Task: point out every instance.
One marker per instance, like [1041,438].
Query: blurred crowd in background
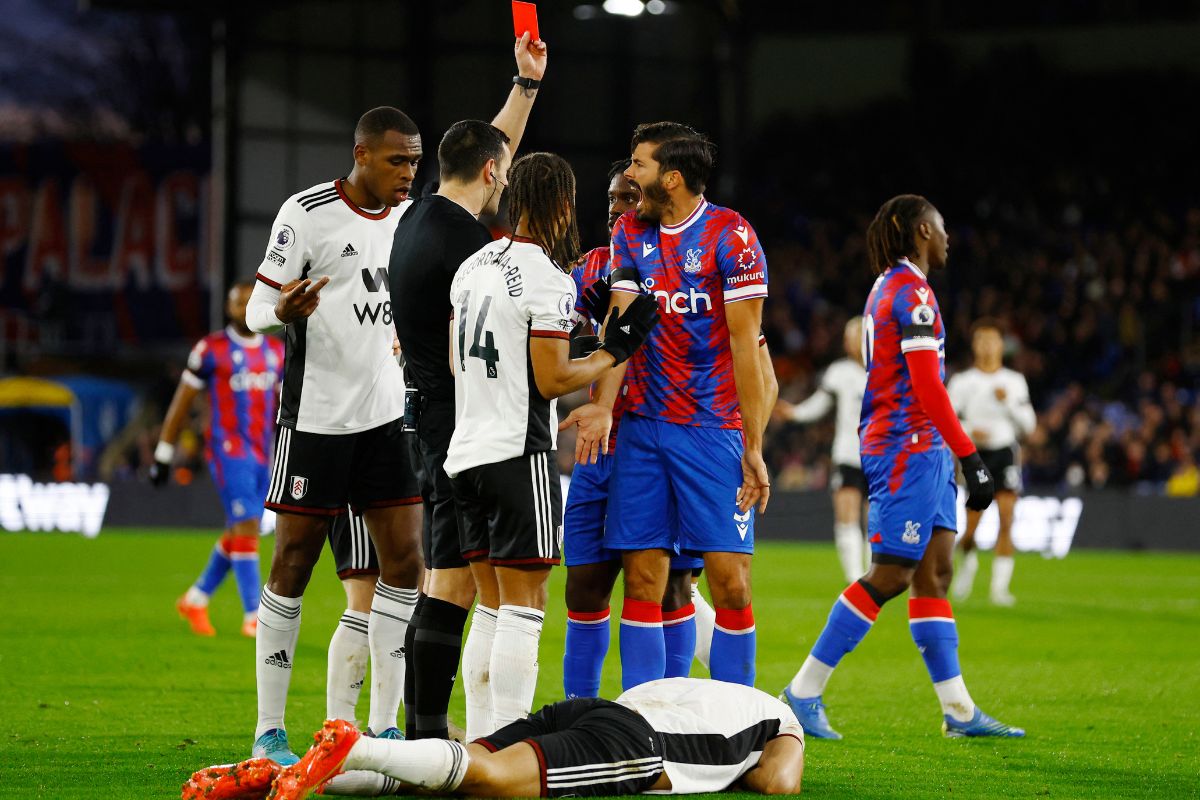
[1078,230]
[1053,231]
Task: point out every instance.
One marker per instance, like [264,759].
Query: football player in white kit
[323,282]
[669,736]
[842,386]
[513,305]
[993,403]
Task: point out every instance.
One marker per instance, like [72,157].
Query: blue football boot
[389,733]
[811,713]
[979,725]
[274,745]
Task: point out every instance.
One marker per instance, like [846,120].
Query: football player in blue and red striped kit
[907,433]
[690,469]
[592,569]
[241,371]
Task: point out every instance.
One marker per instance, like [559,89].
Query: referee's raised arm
[531,66]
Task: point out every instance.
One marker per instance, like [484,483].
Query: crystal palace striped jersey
[901,316]
[594,268]
[242,376]
[684,372]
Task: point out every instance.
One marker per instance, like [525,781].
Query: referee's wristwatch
[526,83]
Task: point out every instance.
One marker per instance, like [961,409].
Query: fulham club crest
[299,487]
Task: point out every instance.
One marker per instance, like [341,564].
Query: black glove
[584,345]
[595,299]
[159,473]
[624,333]
[980,486]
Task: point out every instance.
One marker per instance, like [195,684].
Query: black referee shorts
[440,534]
[587,747]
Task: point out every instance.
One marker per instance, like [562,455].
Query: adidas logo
[279,659]
[349,251]
[356,685]
[397,653]
[625,328]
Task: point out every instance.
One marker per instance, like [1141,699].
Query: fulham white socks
[476,671]
[349,652]
[274,649]
[391,611]
[514,664]
[438,765]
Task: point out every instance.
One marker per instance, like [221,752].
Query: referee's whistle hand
[299,299]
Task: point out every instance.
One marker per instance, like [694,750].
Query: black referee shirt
[433,238]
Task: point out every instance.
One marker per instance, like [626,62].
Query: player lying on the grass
[670,736]
[842,386]
[908,432]
[513,302]
[241,371]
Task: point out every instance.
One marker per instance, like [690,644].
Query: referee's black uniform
[432,240]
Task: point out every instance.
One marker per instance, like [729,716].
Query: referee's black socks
[433,646]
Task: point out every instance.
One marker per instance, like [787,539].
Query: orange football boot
[197,617]
[323,760]
[246,780]
[250,627]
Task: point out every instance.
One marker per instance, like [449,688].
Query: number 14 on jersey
[486,351]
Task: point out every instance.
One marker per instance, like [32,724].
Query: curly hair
[541,186]
[892,234]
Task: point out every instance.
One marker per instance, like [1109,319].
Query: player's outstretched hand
[756,483]
[595,299]
[531,57]
[595,423]
[159,473]
[624,333]
[299,299]
[980,486]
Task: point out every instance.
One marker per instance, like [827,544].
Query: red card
[525,19]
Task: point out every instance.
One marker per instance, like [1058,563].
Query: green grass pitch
[105,694]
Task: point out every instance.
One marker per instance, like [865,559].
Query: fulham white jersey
[712,732]
[339,373]
[992,423]
[504,295]
[843,384]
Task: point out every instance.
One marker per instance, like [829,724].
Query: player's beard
[655,201]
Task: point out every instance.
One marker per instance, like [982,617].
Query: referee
[437,235]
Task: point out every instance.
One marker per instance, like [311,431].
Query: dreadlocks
[541,186]
[892,234]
